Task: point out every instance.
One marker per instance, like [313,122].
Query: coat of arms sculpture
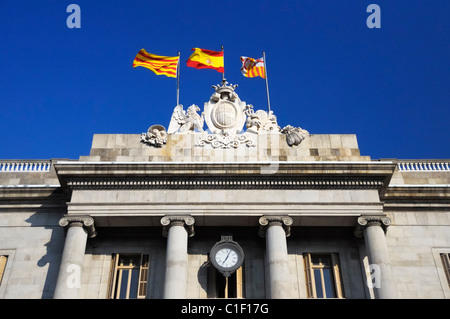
[225,116]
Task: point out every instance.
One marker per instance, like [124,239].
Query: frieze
[225,182]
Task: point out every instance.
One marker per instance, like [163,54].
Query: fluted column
[79,228]
[177,229]
[373,229]
[276,229]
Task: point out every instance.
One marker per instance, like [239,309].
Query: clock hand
[226,258]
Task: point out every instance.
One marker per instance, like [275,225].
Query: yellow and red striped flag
[253,67]
[165,65]
[206,59]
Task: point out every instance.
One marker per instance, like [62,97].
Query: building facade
[309,216]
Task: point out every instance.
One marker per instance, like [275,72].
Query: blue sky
[328,72]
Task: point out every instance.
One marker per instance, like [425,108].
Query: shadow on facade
[46,217]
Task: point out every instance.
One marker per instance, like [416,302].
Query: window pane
[123,285]
[3,260]
[315,259]
[329,284]
[322,260]
[144,274]
[318,282]
[134,282]
[142,289]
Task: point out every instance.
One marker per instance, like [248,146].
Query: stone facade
[283,194]
[324,194]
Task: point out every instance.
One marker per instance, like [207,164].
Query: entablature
[245,175]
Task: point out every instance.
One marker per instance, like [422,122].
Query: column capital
[87,222]
[267,221]
[367,221]
[186,221]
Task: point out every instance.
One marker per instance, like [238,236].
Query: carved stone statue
[260,120]
[225,115]
[156,135]
[294,135]
[183,121]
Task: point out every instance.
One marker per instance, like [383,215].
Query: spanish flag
[166,65]
[206,59]
[253,67]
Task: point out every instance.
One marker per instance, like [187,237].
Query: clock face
[226,257]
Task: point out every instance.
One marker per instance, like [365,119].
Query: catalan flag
[253,67]
[206,59]
[166,65]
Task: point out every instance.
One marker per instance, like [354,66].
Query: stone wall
[185,148]
[33,242]
[415,239]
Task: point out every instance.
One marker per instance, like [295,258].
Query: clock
[226,256]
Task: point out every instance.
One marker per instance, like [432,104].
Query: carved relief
[261,120]
[224,112]
[225,140]
[183,121]
[225,115]
[156,136]
[294,135]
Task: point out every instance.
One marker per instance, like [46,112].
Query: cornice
[252,175]
[221,167]
[417,197]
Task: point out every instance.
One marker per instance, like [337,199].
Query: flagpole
[267,83]
[223,74]
[178,80]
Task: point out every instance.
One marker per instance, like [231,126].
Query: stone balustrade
[25,166]
[423,166]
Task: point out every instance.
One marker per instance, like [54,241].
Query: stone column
[373,229]
[276,229]
[79,228]
[177,229]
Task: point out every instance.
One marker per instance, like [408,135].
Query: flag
[166,65]
[253,67]
[206,59]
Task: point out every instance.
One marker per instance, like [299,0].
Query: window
[129,276]
[323,278]
[221,287]
[446,264]
[3,260]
